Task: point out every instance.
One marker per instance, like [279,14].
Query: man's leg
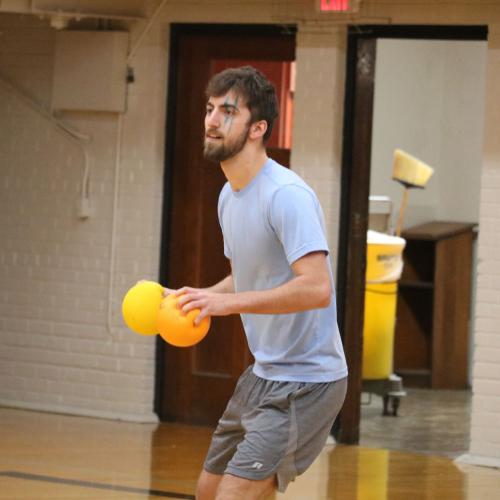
[237,488]
[207,485]
[227,436]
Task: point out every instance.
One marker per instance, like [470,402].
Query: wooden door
[194,384]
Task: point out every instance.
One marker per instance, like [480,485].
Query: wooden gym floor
[48,456]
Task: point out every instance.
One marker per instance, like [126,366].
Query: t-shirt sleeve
[220,210]
[296,217]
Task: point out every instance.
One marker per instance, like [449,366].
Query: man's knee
[207,485]
[237,488]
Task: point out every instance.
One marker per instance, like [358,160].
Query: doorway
[194,385]
[365,46]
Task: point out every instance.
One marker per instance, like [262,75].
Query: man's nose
[213,119]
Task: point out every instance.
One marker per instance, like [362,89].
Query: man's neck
[242,168]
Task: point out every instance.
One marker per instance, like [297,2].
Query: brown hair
[259,93]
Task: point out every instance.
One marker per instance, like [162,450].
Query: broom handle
[404,203]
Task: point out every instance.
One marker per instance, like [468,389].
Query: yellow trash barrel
[383,270]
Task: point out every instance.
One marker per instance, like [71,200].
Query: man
[283,407]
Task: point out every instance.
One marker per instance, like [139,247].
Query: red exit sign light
[338,6]
[335,5]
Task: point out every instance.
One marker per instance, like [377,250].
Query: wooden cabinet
[432,326]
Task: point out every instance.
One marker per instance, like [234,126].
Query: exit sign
[339,5]
[334,5]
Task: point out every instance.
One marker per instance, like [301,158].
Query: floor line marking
[95,485]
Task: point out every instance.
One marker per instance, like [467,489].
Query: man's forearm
[224,286]
[310,288]
[299,294]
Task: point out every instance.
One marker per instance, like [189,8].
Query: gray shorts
[273,428]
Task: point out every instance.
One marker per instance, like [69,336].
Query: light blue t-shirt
[268,225]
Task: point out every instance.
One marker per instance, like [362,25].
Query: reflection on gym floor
[48,456]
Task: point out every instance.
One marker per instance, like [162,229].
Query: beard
[224,151]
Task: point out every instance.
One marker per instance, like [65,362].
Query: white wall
[462,130]
[429,101]
[318,119]
[485,431]
[56,351]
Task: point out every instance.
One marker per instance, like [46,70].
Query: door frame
[355,186]
[176,31]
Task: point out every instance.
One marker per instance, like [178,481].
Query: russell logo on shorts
[257,465]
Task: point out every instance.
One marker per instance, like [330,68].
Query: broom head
[410,171]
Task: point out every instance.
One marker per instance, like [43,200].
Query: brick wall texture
[57,350]
[485,428]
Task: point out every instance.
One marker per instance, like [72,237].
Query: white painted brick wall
[485,423]
[55,350]
[318,119]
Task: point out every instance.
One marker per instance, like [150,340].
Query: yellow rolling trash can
[384,267]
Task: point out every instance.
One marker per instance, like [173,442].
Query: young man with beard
[283,407]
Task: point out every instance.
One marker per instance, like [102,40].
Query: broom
[411,173]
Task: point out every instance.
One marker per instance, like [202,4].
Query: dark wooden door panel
[198,381]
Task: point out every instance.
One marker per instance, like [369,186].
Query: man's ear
[258,129]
